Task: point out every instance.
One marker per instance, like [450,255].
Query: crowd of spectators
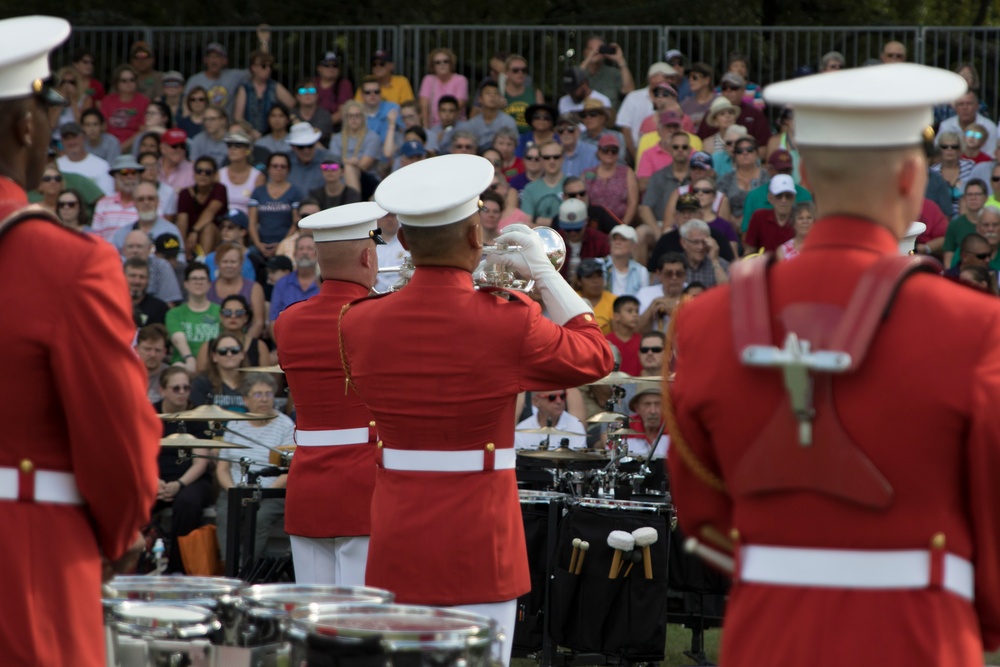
[200,180]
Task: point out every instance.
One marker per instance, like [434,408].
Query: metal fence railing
[773,53]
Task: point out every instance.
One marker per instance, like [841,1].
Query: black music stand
[242,528]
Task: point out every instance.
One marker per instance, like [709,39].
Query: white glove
[562,302]
[528,262]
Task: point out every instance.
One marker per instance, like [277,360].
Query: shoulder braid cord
[348,380]
[676,437]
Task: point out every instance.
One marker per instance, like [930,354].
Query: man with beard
[163,282]
[117,210]
[146,308]
[151,346]
[147,202]
[300,284]
[657,302]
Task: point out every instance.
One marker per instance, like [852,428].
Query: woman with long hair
[72,210]
[219,384]
[611,184]
[954,168]
[124,108]
[273,209]
[192,120]
[73,87]
[200,207]
[51,186]
[356,147]
[235,316]
[239,177]
[275,138]
[442,79]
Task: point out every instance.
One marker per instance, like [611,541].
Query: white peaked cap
[436,192]
[25,43]
[868,107]
[349,222]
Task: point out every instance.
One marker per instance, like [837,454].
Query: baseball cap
[140,47]
[71,128]
[237,217]
[687,202]
[733,79]
[330,57]
[279,263]
[661,68]
[667,87]
[167,245]
[173,76]
[701,160]
[413,149]
[625,232]
[572,215]
[607,140]
[215,47]
[174,137]
[382,54]
[670,118]
[573,78]
[589,267]
[781,183]
[673,54]
[780,159]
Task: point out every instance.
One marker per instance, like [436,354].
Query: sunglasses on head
[974,134]
[233,312]
[647,350]
[228,351]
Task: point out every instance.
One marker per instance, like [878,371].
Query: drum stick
[644,537]
[621,542]
[576,554]
[710,555]
[636,557]
[584,545]
[716,537]
[626,557]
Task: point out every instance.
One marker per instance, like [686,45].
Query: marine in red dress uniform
[875,565]
[332,476]
[440,365]
[78,452]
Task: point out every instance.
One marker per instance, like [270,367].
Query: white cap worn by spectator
[625,232]
[436,192]
[350,222]
[868,107]
[781,183]
[24,58]
[303,134]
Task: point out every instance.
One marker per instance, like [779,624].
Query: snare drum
[263,610]
[159,634]
[391,636]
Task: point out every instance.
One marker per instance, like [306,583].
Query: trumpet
[490,274]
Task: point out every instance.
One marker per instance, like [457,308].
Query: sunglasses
[727,87]
[535,158]
[228,351]
[67,204]
[180,387]
[950,147]
[973,134]
[233,312]
[443,61]
[673,273]
[654,350]
[370,91]
[204,172]
[542,116]
[703,191]
[591,114]
[610,150]
[262,394]
[785,195]
[329,63]
[553,397]
[566,130]
[378,63]
[552,157]
[681,148]
[330,166]
[518,70]
[52,179]
[743,151]
[662,93]
[981,255]
[197,99]
[576,195]
[311,90]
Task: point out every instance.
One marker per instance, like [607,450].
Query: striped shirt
[110,214]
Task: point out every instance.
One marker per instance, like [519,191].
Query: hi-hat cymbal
[625,431]
[211,413]
[261,369]
[188,441]
[565,454]
[619,378]
[548,430]
[607,418]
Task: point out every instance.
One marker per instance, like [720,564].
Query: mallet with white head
[621,542]
[644,537]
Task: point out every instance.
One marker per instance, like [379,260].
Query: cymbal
[187,441]
[619,378]
[625,431]
[261,369]
[607,418]
[565,454]
[211,413]
[548,430]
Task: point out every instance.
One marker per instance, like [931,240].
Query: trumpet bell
[495,275]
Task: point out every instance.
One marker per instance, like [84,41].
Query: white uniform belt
[445,461]
[849,568]
[332,437]
[51,486]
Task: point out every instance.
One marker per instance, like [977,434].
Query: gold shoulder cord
[348,380]
[676,437]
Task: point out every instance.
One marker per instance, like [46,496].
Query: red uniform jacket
[329,488]
[922,407]
[440,365]
[74,401]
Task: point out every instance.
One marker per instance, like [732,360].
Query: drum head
[287,597]
[171,588]
[400,628]
[163,621]
[540,497]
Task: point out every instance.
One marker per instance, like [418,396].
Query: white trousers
[505,614]
[336,561]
